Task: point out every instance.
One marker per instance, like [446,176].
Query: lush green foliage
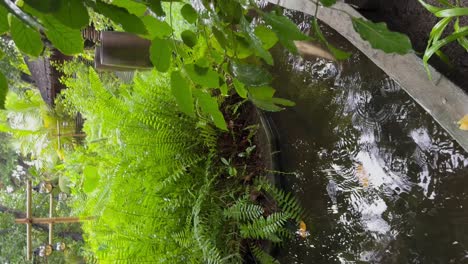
[216,37]
[159,193]
[448,13]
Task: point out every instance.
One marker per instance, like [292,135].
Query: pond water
[381,181]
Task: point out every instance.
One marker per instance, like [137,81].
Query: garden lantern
[62,196]
[44,250]
[44,187]
[60,246]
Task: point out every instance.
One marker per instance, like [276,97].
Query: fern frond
[264,228]
[242,210]
[286,200]
[262,256]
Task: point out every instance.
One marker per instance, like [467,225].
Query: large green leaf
[91,178]
[189,14]
[45,6]
[69,41]
[119,15]
[156,7]
[64,184]
[255,42]
[263,98]
[240,88]
[27,39]
[182,93]
[3,90]
[73,14]
[136,8]
[209,105]
[160,54]
[380,37]
[203,76]
[189,38]
[220,37]
[267,36]
[328,2]
[230,11]
[156,27]
[285,30]
[4,27]
[250,75]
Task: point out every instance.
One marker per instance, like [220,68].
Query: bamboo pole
[29,220]
[52,220]
[28,216]
[58,134]
[70,135]
[51,207]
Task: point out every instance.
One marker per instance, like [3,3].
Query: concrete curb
[442,99]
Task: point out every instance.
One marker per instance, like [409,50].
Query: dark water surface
[382,182]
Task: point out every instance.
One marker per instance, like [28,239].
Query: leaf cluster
[224,45]
[448,13]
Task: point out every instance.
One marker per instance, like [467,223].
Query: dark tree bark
[27,78]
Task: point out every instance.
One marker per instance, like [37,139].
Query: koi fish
[306,49]
[463,123]
[362,176]
[302,232]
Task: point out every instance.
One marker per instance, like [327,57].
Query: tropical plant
[223,45]
[448,13]
[158,192]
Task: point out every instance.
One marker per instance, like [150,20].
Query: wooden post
[29,220]
[52,220]
[58,136]
[28,216]
[51,207]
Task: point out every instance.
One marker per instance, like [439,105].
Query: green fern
[262,256]
[264,228]
[160,197]
[243,211]
[286,200]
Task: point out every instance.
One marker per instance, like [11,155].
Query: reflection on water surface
[383,183]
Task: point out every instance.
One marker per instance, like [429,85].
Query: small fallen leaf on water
[463,123]
[302,230]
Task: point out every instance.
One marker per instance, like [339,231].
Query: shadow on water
[382,182]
